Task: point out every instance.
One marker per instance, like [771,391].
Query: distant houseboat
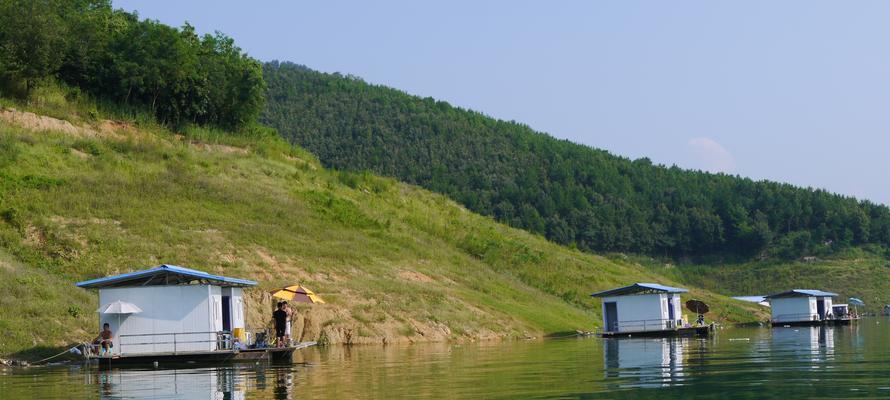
[646,309]
[803,307]
[177,314]
[843,314]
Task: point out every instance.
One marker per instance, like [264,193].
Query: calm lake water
[755,363]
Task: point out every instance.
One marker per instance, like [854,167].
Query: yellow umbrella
[298,294]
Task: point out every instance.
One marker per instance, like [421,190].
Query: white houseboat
[173,313]
[802,307]
[645,309]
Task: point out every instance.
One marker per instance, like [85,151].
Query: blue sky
[794,91]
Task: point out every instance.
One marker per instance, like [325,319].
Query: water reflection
[807,343]
[226,383]
[807,362]
[644,362]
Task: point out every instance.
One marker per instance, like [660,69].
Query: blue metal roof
[802,293]
[753,299]
[163,275]
[639,288]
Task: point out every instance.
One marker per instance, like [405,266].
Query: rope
[50,358]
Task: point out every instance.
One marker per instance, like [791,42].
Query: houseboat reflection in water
[645,362]
[233,382]
[811,343]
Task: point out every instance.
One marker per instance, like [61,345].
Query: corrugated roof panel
[803,292]
[639,288]
[163,275]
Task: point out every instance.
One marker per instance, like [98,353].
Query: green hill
[862,273]
[573,194]
[85,197]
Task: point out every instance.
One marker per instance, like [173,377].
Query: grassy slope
[395,262]
[855,273]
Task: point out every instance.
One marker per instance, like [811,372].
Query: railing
[643,325]
[796,317]
[223,340]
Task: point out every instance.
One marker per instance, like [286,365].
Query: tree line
[573,194]
[175,74]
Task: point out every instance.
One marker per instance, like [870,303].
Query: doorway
[820,308]
[671,318]
[227,313]
[611,316]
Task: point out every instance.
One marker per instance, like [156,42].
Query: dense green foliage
[112,55]
[573,194]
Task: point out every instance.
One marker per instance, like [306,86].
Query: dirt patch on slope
[221,148]
[29,120]
[414,276]
[40,123]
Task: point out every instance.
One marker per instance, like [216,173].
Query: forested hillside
[573,194]
[128,64]
[126,143]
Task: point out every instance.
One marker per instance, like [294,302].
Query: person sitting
[700,320]
[103,342]
[239,345]
[280,317]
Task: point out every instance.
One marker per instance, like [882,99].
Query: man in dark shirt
[280,317]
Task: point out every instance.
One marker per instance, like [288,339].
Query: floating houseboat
[646,309]
[800,307]
[175,314]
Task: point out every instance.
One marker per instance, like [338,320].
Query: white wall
[165,309]
[793,309]
[651,308]
[828,304]
[237,308]
[215,310]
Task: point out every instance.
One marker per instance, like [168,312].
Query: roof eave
[195,275]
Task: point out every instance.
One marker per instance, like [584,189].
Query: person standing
[287,327]
[280,317]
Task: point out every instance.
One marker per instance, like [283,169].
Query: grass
[393,261]
[862,273]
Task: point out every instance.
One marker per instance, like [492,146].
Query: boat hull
[691,331]
[274,354]
[829,322]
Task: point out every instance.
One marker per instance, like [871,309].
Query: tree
[32,39]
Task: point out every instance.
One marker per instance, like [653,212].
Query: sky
[791,91]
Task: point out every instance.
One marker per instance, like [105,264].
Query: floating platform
[274,354]
[686,331]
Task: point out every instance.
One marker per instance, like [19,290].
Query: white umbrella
[119,307]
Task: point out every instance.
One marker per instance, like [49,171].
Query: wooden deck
[275,354]
[690,331]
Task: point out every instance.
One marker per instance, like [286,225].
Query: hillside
[85,197]
[854,273]
[573,194]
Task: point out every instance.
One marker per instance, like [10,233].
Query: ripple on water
[786,363]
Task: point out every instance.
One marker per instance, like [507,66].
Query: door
[671,310]
[611,316]
[820,308]
[227,313]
